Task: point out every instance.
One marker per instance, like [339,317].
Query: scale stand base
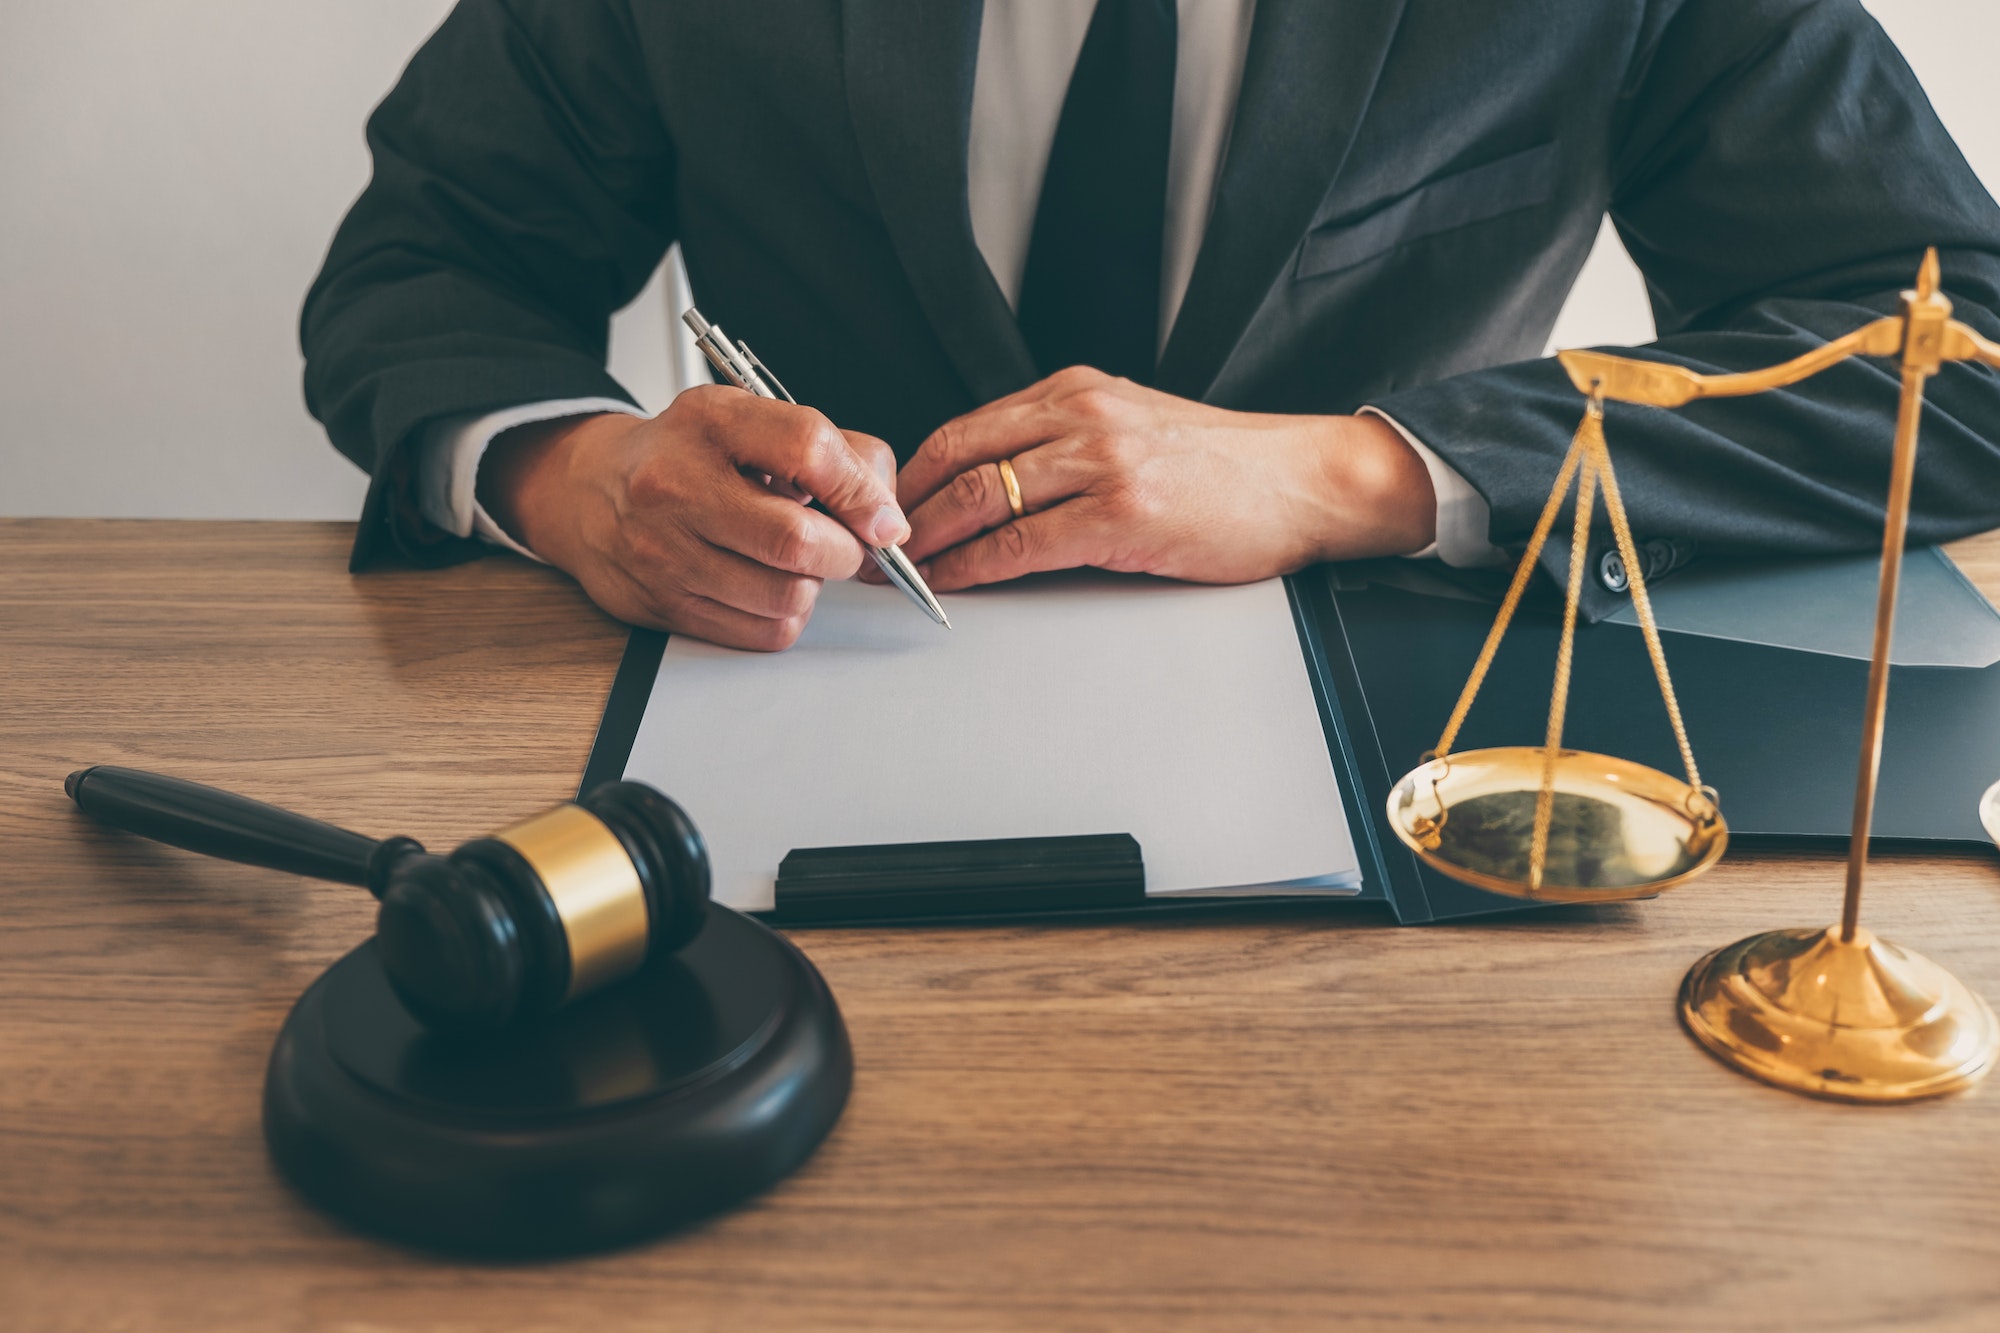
[695,1085]
[1854,1021]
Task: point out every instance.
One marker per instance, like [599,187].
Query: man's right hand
[669,522]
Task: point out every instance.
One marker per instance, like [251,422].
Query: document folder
[1775,727]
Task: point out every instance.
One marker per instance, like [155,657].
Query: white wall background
[170,174]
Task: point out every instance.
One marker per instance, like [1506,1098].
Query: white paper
[1067,704]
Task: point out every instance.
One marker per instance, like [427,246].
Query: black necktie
[1091,293]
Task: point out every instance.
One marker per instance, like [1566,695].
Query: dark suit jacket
[1409,191]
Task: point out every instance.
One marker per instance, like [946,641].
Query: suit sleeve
[1777,173]
[522,192]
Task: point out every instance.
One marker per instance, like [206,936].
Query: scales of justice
[1833,1012]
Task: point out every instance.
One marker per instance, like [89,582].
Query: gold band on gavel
[595,888]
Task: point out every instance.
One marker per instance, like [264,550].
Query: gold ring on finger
[1013,485]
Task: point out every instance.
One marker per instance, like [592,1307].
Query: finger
[975,501]
[799,447]
[745,585]
[776,487]
[876,453]
[997,430]
[1067,380]
[704,618]
[751,520]
[883,459]
[640,601]
[1064,537]
[992,433]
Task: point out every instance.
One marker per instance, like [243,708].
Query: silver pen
[735,362]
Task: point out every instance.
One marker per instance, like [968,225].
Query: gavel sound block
[554,1044]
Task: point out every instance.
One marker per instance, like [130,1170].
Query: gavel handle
[219,823]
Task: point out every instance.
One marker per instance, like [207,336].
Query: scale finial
[1927,275]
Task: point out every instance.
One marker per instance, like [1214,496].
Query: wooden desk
[1277,1123]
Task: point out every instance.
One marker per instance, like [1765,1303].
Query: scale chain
[1522,574]
[1642,602]
[1592,438]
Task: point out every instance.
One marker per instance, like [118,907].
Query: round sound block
[700,1082]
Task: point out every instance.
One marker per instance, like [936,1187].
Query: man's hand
[1117,476]
[692,521]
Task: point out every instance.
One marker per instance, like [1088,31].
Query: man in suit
[1228,286]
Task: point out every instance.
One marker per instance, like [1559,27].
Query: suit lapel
[909,69]
[1307,78]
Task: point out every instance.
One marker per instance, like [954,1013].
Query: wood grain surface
[1305,1121]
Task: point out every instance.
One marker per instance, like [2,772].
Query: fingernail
[888,527]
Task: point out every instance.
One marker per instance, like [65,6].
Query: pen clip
[719,358]
[731,360]
[758,363]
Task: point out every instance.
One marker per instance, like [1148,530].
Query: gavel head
[508,929]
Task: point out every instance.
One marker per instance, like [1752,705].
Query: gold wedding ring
[1013,485]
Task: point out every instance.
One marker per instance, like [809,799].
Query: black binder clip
[944,880]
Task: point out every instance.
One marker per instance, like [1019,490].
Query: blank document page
[1064,704]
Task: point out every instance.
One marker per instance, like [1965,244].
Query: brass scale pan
[1543,822]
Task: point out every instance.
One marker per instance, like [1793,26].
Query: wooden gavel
[505,930]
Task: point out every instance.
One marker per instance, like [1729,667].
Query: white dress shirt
[1027,52]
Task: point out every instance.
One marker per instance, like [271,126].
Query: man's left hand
[1117,476]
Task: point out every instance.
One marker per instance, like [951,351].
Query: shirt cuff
[1463,518]
[448,463]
